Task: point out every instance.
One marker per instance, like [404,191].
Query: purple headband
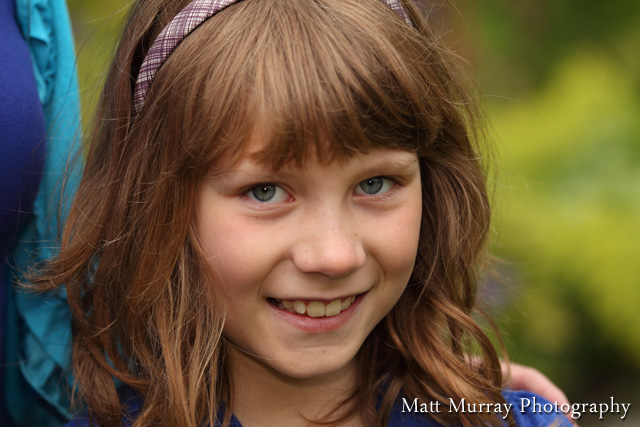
[189,18]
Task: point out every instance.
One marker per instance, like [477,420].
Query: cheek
[223,249]
[398,242]
[239,254]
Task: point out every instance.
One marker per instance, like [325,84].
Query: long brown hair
[328,78]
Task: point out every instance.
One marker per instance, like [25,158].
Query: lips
[315,308]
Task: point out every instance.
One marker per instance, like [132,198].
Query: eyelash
[395,183]
[252,197]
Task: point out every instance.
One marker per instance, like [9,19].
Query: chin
[314,366]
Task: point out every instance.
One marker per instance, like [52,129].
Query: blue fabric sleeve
[531,410]
[38,340]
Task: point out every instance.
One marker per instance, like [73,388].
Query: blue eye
[267,193]
[374,186]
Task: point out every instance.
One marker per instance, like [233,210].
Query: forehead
[265,150]
[313,93]
[360,90]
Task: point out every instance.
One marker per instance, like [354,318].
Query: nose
[330,245]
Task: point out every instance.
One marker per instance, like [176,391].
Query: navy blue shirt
[522,412]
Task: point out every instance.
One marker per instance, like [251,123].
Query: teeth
[332,308]
[299,307]
[317,308]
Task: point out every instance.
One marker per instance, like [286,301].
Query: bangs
[323,79]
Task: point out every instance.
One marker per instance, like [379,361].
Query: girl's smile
[318,316]
[310,258]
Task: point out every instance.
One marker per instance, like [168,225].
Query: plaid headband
[189,18]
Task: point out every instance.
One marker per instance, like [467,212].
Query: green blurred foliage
[96,26]
[561,85]
[568,210]
[519,44]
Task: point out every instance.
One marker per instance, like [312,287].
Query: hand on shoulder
[519,377]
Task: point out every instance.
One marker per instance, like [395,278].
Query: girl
[281,221]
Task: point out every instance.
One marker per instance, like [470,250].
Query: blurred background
[560,84]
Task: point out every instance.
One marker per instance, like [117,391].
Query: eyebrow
[398,164]
[262,170]
[402,162]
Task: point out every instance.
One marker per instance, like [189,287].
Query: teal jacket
[38,335]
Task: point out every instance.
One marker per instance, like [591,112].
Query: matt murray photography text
[530,404]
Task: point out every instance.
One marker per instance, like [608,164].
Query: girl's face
[310,258]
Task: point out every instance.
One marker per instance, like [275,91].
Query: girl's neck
[264,397]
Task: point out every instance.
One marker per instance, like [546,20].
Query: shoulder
[529,409]
[132,403]
[133,406]
[86,421]
[78,422]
